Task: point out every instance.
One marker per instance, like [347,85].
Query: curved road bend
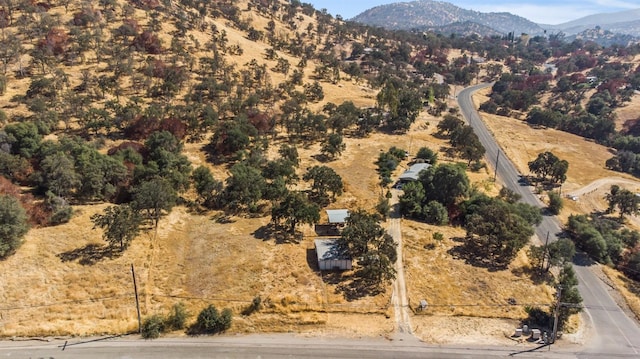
[614,333]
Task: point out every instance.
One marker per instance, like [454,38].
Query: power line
[203,298]
[492,305]
[76,301]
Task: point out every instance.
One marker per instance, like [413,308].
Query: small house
[331,256]
[413,173]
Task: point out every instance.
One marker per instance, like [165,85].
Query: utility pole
[544,252]
[135,289]
[495,174]
[556,315]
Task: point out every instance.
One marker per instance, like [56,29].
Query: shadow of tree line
[350,286]
[278,233]
[90,254]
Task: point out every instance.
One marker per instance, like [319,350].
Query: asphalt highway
[269,346]
[611,331]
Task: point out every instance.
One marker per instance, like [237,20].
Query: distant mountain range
[621,27]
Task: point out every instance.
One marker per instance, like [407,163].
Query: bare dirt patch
[444,329]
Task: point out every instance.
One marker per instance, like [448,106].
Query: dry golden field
[197,261]
[62,280]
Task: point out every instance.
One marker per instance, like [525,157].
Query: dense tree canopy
[371,245]
[549,165]
[498,229]
[244,188]
[13,225]
[624,200]
[154,197]
[445,183]
[601,237]
[326,184]
[294,209]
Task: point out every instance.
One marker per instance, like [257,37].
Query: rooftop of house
[413,173]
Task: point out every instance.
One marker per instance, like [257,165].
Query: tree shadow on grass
[90,254]
[358,288]
[350,286]
[473,255]
[277,233]
[535,274]
[323,158]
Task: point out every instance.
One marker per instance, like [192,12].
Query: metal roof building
[337,216]
[331,256]
[413,173]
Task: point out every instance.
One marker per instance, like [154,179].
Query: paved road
[613,331]
[266,346]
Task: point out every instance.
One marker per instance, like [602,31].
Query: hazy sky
[540,11]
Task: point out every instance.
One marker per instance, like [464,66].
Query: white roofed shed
[331,256]
[337,216]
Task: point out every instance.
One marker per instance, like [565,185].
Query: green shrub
[210,321]
[398,153]
[555,203]
[177,319]
[538,318]
[153,326]
[426,154]
[13,225]
[61,211]
[256,305]
[476,166]
[435,213]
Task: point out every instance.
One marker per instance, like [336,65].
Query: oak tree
[120,224]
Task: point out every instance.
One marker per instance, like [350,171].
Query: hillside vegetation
[197,143]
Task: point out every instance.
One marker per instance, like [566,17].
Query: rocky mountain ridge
[620,27]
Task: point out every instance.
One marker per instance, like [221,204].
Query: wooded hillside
[201,141]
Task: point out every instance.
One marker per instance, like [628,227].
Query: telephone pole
[135,289]
[556,315]
[495,174]
[544,253]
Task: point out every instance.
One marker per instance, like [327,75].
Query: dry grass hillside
[63,280]
[71,285]
[197,261]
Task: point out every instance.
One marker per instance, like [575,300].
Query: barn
[331,256]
